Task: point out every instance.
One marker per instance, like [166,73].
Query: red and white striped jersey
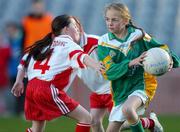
[93,79]
[61,67]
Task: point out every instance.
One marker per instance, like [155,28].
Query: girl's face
[114,22]
[73,30]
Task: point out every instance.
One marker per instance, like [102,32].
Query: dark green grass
[63,124]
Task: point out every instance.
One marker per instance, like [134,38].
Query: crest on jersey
[112,53]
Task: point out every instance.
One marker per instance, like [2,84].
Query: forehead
[112,13]
[73,21]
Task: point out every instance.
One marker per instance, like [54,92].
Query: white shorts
[116,112]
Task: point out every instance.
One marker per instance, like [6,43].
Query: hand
[170,65]
[18,89]
[138,60]
[102,67]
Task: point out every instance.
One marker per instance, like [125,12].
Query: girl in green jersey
[122,50]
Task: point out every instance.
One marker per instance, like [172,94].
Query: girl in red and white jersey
[51,65]
[100,98]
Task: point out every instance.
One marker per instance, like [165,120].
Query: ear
[126,21]
[65,30]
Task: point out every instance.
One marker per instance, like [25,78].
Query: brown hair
[42,49]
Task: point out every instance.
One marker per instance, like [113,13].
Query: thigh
[116,114]
[101,101]
[125,126]
[98,114]
[80,114]
[133,101]
[139,96]
[114,126]
[136,99]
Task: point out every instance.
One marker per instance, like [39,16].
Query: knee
[128,111]
[113,128]
[110,129]
[86,119]
[96,122]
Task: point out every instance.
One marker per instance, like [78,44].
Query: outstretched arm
[88,61]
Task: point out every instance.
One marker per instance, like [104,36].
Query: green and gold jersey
[116,54]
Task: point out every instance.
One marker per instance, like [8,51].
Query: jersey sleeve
[113,70]
[151,43]
[22,62]
[176,59]
[76,56]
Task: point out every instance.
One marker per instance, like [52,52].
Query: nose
[110,23]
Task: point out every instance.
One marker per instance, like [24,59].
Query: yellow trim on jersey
[165,47]
[109,45]
[150,85]
[112,93]
[105,76]
[107,62]
[115,47]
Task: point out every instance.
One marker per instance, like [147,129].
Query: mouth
[110,28]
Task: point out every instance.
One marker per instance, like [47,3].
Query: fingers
[141,64]
[22,90]
[14,92]
[17,92]
[143,55]
[102,66]
[170,66]
[142,58]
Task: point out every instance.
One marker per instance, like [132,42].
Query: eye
[106,19]
[115,20]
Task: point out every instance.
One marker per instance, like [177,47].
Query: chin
[110,30]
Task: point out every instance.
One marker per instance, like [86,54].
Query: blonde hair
[125,14]
[123,10]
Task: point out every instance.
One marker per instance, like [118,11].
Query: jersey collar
[65,36]
[113,36]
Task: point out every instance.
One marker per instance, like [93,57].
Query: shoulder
[89,38]
[104,37]
[92,36]
[135,34]
[64,38]
[104,40]
[65,41]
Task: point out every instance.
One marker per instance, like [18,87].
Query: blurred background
[24,21]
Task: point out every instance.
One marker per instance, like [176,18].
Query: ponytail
[40,49]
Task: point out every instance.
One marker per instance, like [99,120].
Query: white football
[157,61]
